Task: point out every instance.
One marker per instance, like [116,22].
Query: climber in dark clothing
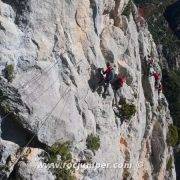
[100,76]
[151,61]
[108,72]
[160,89]
[109,76]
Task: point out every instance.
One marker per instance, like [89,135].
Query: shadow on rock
[96,81]
[13,131]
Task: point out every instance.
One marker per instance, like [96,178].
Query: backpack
[112,75]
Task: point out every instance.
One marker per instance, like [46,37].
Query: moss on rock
[9,72]
[172,136]
[169,164]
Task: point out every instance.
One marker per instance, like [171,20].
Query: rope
[13,111]
[60,113]
[29,142]
[33,90]
[65,92]
[36,89]
[36,98]
[37,77]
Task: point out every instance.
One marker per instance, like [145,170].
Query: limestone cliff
[50,51]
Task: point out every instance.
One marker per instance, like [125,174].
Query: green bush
[5,108]
[128,9]
[93,142]
[127,110]
[5,104]
[172,136]
[154,15]
[178,129]
[60,170]
[1,95]
[169,164]
[4,168]
[171,83]
[9,72]
[126,174]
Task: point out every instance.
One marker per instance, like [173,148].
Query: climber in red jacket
[122,80]
[117,84]
[157,77]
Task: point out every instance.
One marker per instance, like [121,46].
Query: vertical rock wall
[55,48]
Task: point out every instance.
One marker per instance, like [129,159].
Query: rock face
[56,48]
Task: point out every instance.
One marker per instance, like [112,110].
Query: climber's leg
[99,84]
[155,84]
[106,86]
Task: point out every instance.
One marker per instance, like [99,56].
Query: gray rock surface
[55,48]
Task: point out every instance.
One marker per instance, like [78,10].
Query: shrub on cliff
[127,110]
[169,164]
[126,174]
[60,156]
[171,83]
[178,129]
[93,142]
[9,72]
[128,9]
[172,136]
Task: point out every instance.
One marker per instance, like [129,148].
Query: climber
[100,76]
[151,61]
[108,72]
[117,84]
[157,77]
[109,76]
[122,80]
[99,80]
[151,67]
[150,64]
[160,88]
